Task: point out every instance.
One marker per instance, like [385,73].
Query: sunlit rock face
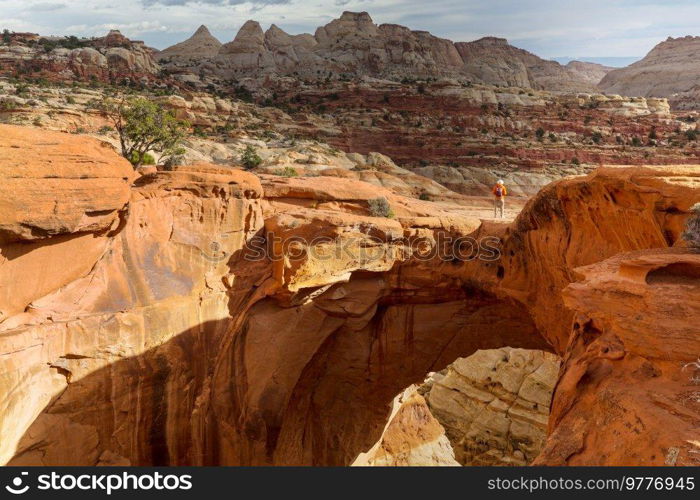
[168,321]
[666,71]
[490,408]
[631,364]
[413,437]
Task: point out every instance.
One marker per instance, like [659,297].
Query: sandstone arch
[160,352]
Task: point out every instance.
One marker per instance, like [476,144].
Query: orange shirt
[504,191]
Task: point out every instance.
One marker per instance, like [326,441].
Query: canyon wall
[216,317]
[353,46]
[112,58]
[668,70]
[631,364]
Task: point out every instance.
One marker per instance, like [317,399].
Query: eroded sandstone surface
[112,58]
[353,46]
[490,408]
[412,437]
[434,141]
[630,365]
[668,70]
[228,318]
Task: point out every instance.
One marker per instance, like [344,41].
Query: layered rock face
[631,364]
[669,70]
[466,137]
[111,58]
[151,287]
[591,72]
[493,60]
[446,141]
[494,405]
[491,408]
[353,46]
[231,319]
[412,437]
[60,195]
[201,44]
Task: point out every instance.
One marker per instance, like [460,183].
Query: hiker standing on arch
[499,198]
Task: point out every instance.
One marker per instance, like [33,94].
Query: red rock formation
[467,137]
[112,58]
[204,330]
[629,390]
[580,221]
[60,195]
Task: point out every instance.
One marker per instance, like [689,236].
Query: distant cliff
[353,45]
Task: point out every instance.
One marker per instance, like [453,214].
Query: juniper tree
[145,126]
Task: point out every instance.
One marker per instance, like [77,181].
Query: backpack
[498,191]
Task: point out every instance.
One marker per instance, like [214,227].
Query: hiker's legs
[498,206]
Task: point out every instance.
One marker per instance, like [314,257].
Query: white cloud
[546,27]
[128,29]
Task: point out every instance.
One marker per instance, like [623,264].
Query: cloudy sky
[549,28]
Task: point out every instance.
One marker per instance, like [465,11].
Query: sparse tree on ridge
[250,158]
[145,126]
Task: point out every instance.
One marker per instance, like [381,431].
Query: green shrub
[287,172]
[243,94]
[69,42]
[691,134]
[380,207]
[7,105]
[250,158]
[424,196]
[105,129]
[142,159]
[539,133]
[22,89]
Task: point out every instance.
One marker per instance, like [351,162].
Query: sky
[582,29]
